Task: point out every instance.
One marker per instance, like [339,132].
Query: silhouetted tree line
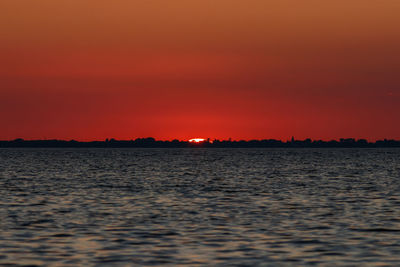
[151,142]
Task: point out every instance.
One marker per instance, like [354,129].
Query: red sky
[96,69]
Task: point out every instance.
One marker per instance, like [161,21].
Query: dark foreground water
[117,207]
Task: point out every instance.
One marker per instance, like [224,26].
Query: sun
[197,140]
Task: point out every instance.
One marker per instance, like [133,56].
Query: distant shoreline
[153,143]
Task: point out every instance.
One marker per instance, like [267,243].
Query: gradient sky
[96,69]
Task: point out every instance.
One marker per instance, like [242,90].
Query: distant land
[151,142]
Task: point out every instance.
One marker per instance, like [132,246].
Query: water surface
[269,207]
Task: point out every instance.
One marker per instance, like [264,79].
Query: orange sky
[96,69]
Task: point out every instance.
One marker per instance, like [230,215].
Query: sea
[200,207]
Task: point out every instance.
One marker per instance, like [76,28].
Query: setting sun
[197,140]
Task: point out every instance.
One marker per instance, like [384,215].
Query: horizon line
[204,140]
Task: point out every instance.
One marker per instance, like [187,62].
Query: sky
[254,69]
